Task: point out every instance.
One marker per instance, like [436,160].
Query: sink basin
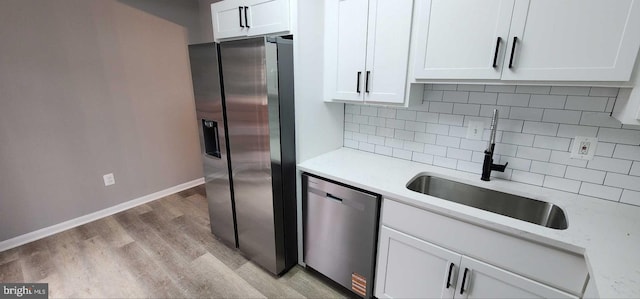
[510,205]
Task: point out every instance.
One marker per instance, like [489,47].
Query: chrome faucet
[488,165]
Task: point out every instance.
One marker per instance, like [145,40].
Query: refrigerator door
[211,125]
[248,111]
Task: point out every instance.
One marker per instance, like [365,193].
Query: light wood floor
[163,249]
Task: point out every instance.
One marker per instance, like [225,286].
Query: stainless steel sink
[510,205]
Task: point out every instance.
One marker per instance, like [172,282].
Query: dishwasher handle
[335,198]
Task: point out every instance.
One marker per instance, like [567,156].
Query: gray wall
[88,88]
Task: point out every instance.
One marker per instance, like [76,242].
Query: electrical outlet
[475,130]
[109,179]
[584,147]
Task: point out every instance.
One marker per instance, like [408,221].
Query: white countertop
[606,233]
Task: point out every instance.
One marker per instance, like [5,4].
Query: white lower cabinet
[408,266]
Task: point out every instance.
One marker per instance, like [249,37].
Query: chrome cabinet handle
[495,55]
[513,51]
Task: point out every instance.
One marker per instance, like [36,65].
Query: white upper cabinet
[367,50]
[462,39]
[581,40]
[527,40]
[240,18]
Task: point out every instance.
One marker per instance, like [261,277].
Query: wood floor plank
[37,266]
[216,280]
[11,272]
[180,242]
[75,277]
[110,230]
[229,256]
[311,286]
[149,273]
[164,210]
[9,255]
[269,285]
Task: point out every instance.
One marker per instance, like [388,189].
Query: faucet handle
[498,167]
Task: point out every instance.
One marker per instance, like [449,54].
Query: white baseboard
[56,228]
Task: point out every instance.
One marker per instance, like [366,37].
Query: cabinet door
[458,39]
[345,48]
[577,40]
[267,16]
[388,37]
[411,268]
[486,281]
[228,19]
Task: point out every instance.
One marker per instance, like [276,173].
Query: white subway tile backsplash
[435,150]
[603,91]
[513,99]
[533,153]
[387,112]
[485,98]
[350,143]
[383,150]
[561,116]
[469,166]
[422,158]
[547,101]
[635,168]
[474,145]
[500,88]
[560,157]
[459,154]
[440,107]
[622,181]
[561,184]
[571,131]
[605,149]
[425,138]
[610,164]
[585,175]
[445,162]
[540,128]
[517,138]
[395,123]
[630,197]
[406,115]
[456,96]
[415,126]
[402,154]
[533,114]
[428,117]
[536,127]
[456,131]
[554,143]
[527,177]
[433,95]
[367,147]
[586,103]
[450,119]
[548,168]
[444,86]
[516,163]
[438,129]
[570,90]
[631,152]
[599,119]
[466,109]
[385,132]
[600,191]
[448,141]
[369,110]
[533,89]
[619,136]
[470,87]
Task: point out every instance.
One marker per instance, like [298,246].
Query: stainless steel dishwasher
[340,232]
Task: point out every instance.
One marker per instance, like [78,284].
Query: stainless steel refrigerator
[244,101]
